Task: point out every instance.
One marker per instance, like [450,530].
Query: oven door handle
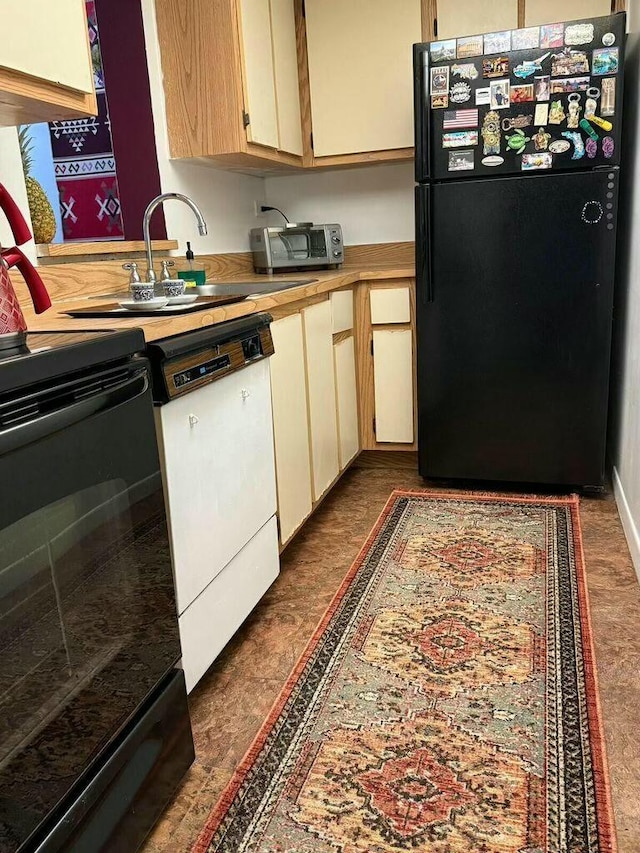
[20,435]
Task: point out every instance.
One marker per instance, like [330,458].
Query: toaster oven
[301,245]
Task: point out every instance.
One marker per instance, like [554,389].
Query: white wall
[373,204]
[626,371]
[225,198]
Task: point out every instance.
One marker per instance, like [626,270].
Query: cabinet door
[285,69]
[347,400]
[322,395]
[47,41]
[469,17]
[290,425]
[549,11]
[393,385]
[360,73]
[259,83]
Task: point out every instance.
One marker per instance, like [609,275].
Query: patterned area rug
[447,701]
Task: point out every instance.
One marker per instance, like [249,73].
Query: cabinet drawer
[342,311]
[213,465]
[214,617]
[390,305]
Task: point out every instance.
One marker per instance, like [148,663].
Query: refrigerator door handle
[421,112]
[424,270]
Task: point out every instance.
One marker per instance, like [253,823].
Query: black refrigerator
[517,165]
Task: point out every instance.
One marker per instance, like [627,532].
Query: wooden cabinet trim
[26,100]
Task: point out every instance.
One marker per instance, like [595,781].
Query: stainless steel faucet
[202,225]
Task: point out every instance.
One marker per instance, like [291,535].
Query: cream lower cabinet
[344,359]
[290,425]
[389,382]
[321,388]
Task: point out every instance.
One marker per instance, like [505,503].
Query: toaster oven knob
[335,239]
[337,253]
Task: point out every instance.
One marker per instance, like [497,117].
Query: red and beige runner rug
[446,703]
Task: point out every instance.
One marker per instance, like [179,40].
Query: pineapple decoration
[42,217]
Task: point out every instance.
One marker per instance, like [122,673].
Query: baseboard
[630,528]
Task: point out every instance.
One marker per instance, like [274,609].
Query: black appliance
[94,725]
[517,164]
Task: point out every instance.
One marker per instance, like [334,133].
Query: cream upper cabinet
[46,72]
[285,70]
[259,82]
[321,388]
[360,73]
[468,17]
[47,41]
[271,74]
[549,11]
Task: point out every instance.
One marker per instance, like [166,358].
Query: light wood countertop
[154,328]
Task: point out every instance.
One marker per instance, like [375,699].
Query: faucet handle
[165,269]
[134,278]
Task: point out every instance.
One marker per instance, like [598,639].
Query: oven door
[88,622]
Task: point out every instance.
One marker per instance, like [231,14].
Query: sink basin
[247,288]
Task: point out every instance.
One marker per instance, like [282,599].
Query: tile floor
[235,696]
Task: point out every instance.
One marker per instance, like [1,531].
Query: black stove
[94,724]
[47,355]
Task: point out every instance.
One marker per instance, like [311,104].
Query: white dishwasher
[215,434]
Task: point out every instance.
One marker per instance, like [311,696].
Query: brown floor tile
[231,702]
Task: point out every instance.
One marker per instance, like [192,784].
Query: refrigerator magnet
[461,161]
[460,139]
[458,119]
[483,96]
[569,62]
[439,102]
[541,139]
[608,147]
[439,80]
[556,114]
[466,70]
[525,39]
[608,102]
[542,87]
[578,34]
[578,143]
[499,90]
[552,35]
[571,84]
[574,109]
[496,66]
[608,39]
[521,93]
[460,93]
[541,115]
[470,46]
[517,122]
[492,160]
[491,134]
[605,61]
[541,160]
[529,66]
[518,141]
[592,148]
[443,51]
[559,146]
[497,42]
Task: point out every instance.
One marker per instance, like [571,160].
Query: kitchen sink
[248,288]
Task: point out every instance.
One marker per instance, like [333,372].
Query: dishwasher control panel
[190,371]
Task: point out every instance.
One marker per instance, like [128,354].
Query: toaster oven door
[293,247]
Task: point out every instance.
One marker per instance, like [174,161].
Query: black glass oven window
[87,613]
